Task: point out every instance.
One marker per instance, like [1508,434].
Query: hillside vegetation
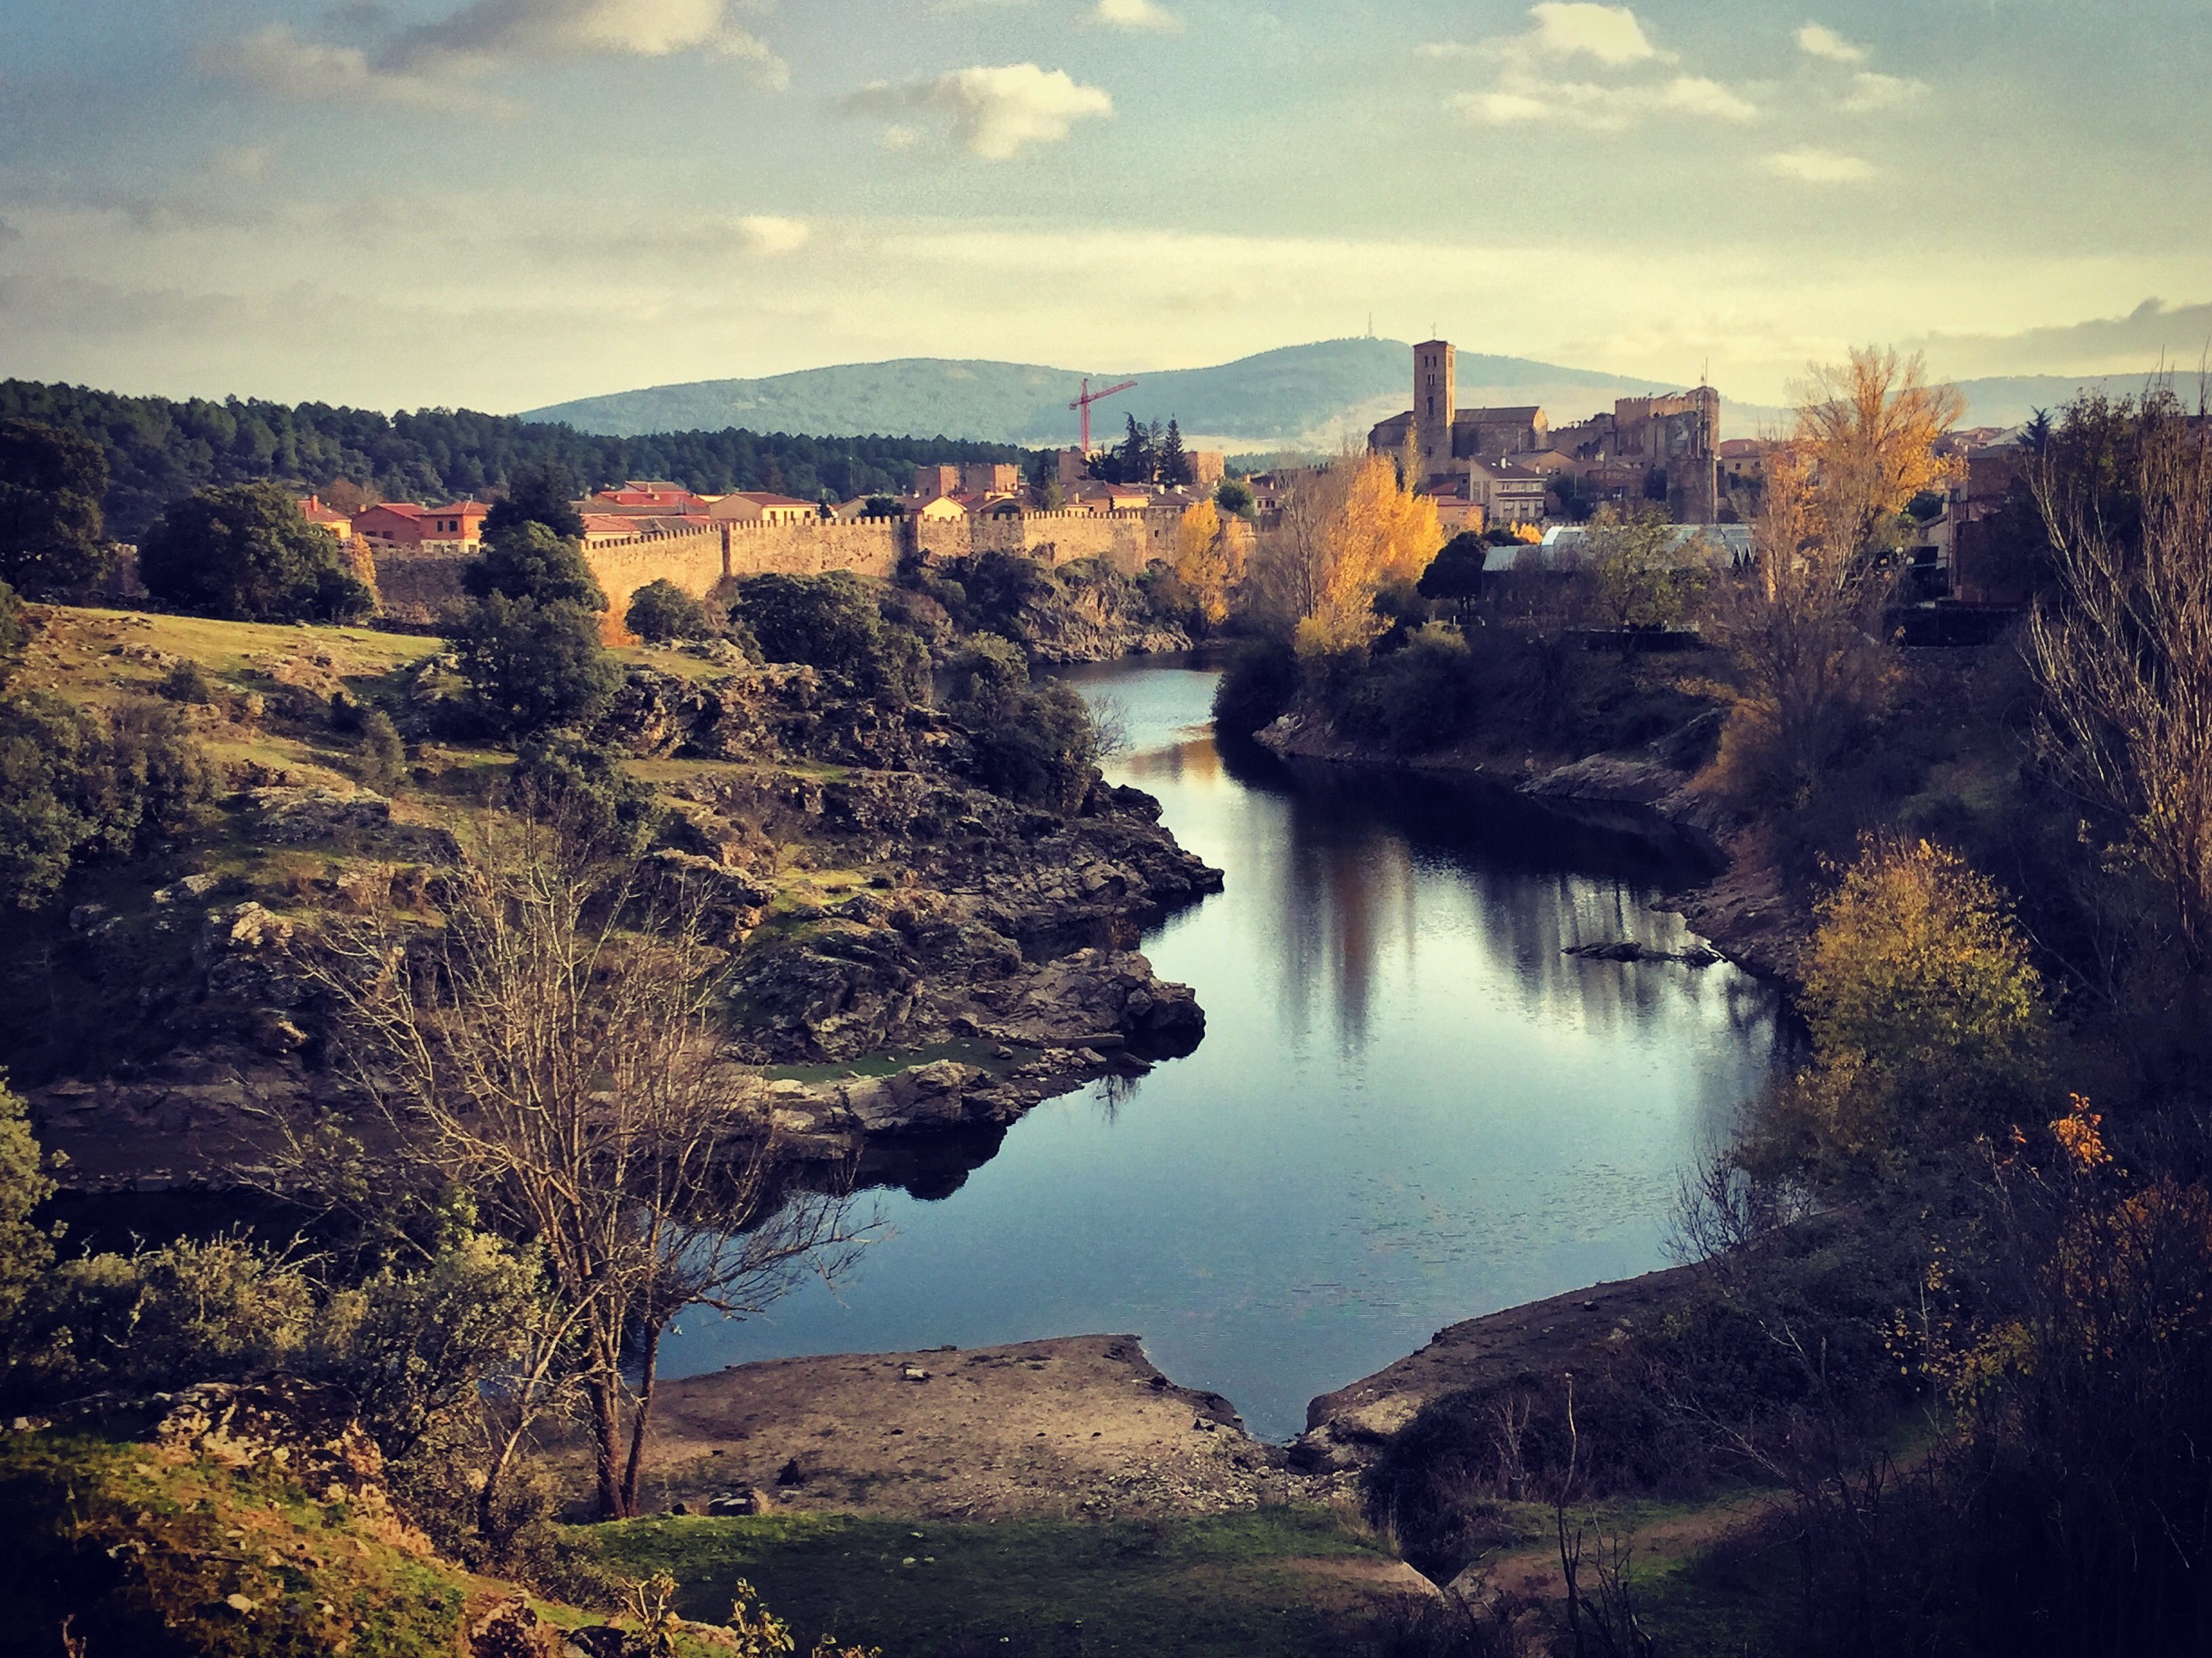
[159,449]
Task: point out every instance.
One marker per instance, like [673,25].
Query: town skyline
[503,204]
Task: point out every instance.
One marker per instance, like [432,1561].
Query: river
[1410,1109]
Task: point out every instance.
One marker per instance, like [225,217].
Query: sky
[501,203]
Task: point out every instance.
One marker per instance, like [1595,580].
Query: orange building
[404,524]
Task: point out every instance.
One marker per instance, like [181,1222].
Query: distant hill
[1297,396]
[2009,400]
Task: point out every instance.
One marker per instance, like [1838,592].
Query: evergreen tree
[245,554]
[1173,465]
[539,492]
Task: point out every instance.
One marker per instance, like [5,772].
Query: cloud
[278,62]
[901,137]
[427,63]
[1135,14]
[1605,108]
[996,113]
[2154,332]
[765,233]
[1611,34]
[1817,40]
[1634,85]
[1871,92]
[1820,167]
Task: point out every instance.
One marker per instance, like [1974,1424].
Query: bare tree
[1796,627]
[2123,653]
[552,1051]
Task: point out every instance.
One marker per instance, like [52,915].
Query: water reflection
[1411,1105]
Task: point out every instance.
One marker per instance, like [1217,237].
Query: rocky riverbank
[1744,910]
[907,951]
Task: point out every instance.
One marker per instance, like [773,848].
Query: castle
[1486,458]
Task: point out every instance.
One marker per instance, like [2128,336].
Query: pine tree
[1174,461]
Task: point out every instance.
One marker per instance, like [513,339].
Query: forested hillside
[159,449]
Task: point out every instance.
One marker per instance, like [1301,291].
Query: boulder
[287,816]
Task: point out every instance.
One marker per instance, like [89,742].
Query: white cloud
[767,234]
[1611,34]
[1692,94]
[901,137]
[1871,92]
[1820,167]
[1818,41]
[424,65]
[1634,83]
[1607,107]
[1135,14]
[996,112]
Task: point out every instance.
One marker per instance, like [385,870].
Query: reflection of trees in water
[1194,761]
[1365,859]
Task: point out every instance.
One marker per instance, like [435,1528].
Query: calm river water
[1410,1106]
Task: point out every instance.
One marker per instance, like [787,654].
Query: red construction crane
[1090,397]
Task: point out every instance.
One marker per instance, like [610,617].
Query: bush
[529,561]
[1417,698]
[534,666]
[582,789]
[26,1249]
[1034,744]
[661,611]
[380,756]
[243,553]
[15,629]
[188,682]
[1257,686]
[832,622]
[74,784]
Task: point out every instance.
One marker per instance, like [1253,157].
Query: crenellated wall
[424,586]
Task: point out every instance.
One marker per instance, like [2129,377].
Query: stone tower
[1436,400]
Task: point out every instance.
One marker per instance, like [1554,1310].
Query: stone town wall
[424,586]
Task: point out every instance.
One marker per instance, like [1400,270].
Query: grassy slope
[1281,1583]
[144,1551]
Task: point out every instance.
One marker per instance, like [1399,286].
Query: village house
[404,524]
[760,506]
[338,523]
[656,496]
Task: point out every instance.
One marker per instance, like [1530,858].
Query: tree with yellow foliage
[1209,558]
[1346,532]
[1929,1022]
[1797,627]
[1868,429]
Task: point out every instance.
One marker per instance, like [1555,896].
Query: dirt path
[1076,1426]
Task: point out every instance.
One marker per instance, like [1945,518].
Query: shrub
[26,1249]
[532,666]
[188,682]
[661,611]
[243,553]
[1257,686]
[1042,750]
[52,481]
[831,622]
[529,561]
[582,789]
[73,783]
[1417,698]
[825,621]
[379,754]
[15,628]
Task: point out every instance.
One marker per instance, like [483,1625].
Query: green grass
[1234,1586]
[892,1061]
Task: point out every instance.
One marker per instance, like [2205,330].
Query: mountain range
[1311,397]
